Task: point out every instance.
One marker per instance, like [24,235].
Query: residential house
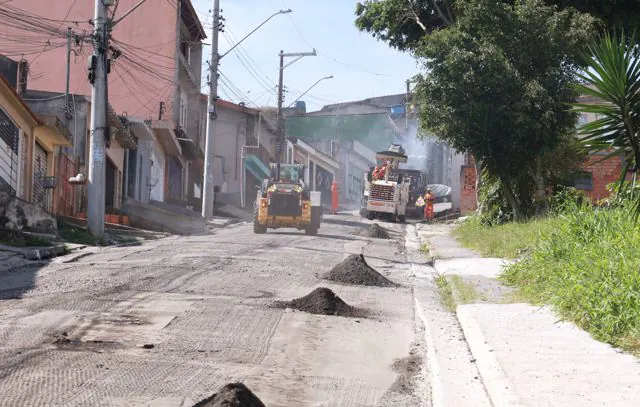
[375,123]
[29,144]
[155,75]
[72,199]
[241,161]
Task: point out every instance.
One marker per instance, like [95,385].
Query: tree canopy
[403,23]
[496,83]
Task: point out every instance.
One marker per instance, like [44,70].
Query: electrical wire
[302,37]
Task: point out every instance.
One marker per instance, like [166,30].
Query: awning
[118,131]
[166,136]
[59,135]
[189,148]
[141,129]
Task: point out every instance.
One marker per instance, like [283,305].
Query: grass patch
[586,267]
[424,249]
[17,239]
[73,234]
[508,241]
[446,294]
[463,292]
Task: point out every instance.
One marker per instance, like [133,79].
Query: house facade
[29,146]
[155,76]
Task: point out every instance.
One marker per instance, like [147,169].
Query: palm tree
[612,76]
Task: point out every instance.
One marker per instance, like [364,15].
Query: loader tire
[257,227]
[311,230]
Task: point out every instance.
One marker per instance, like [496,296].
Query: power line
[330,57]
[61,24]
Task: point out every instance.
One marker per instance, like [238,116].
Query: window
[185,48]
[183,110]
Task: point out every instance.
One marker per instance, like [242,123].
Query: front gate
[9,147]
[64,193]
[41,188]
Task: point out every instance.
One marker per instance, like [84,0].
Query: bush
[566,199]
[621,197]
[586,267]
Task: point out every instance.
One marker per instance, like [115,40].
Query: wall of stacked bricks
[603,174]
[468,198]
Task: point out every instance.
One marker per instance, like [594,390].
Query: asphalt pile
[232,395]
[321,301]
[378,232]
[355,270]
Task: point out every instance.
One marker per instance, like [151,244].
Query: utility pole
[281,140]
[99,128]
[66,91]
[406,107]
[280,123]
[208,196]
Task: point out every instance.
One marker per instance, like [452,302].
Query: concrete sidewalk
[525,356]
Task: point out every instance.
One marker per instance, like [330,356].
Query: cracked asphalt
[170,322]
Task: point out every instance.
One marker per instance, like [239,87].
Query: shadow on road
[324,235]
[17,280]
[343,222]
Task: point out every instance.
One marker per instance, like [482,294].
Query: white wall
[157,172]
[229,139]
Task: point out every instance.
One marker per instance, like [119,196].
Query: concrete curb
[437,399]
[495,380]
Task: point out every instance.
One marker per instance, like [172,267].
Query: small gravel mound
[320,301]
[355,270]
[232,395]
[378,232]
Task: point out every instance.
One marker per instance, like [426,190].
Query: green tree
[613,77]
[487,92]
[403,23]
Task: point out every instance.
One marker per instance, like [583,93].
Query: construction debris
[232,395]
[355,270]
[321,301]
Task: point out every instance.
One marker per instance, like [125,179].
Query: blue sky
[362,67]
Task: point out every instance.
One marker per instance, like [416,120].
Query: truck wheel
[311,230]
[402,218]
[257,227]
[370,215]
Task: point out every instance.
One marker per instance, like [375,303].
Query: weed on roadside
[446,294]
[510,240]
[463,292]
[73,234]
[17,239]
[586,267]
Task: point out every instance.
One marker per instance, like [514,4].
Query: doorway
[110,184]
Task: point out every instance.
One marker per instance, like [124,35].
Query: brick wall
[603,173]
[468,198]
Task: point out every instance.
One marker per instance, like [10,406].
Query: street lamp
[209,156]
[280,144]
[287,11]
[311,87]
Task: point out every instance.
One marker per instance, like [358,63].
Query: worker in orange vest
[375,173]
[428,207]
[335,193]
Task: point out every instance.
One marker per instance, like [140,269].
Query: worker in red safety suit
[428,207]
[383,170]
[335,193]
